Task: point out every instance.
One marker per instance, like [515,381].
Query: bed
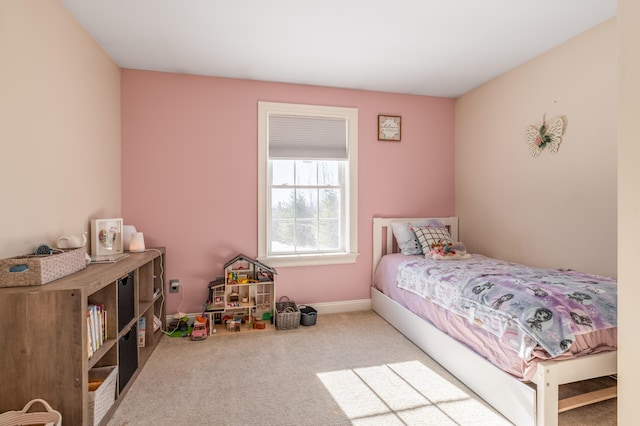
[520,380]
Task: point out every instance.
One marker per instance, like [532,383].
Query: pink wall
[189,174]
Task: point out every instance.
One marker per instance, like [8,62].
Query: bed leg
[547,395]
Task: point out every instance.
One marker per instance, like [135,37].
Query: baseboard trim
[322,308]
[341,306]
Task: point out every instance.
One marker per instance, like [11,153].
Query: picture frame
[106,236]
[389,128]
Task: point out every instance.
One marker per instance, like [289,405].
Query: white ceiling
[424,47]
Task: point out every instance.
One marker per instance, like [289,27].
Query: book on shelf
[92,333]
[89,351]
[142,329]
[100,326]
[96,327]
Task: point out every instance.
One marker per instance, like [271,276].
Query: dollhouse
[242,300]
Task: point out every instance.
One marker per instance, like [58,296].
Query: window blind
[305,137]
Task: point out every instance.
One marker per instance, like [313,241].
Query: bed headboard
[383,241]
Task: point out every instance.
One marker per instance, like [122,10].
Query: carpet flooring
[348,369]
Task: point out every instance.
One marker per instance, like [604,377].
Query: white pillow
[407,241]
[429,235]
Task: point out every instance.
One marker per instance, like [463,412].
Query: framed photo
[389,128]
[106,236]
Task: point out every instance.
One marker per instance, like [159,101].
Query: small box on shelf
[126,308]
[102,392]
[127,357]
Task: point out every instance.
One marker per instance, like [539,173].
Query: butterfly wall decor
[538,138]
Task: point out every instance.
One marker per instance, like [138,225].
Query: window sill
[309,260]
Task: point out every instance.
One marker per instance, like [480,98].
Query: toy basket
[50,417]
[308,315]
[287,314]
[101,399]
[31,270]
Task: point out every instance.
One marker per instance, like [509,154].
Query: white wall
[556,210]
[59,127]
[628,210]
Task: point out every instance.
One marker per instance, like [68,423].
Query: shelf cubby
[46,336]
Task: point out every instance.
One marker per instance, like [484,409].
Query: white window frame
[264,185]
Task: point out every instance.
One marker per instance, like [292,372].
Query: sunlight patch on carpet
[407,393]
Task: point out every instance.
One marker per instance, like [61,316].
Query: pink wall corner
[189,174]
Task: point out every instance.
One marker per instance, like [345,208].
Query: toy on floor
[233,324]
[199,331]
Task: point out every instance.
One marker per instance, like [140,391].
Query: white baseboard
[342,306]
[322,308]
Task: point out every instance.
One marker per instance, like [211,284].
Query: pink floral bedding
[537,306]
[504,343]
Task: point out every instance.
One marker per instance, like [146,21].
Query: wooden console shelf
[45,336]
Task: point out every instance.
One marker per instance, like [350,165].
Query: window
[307,177]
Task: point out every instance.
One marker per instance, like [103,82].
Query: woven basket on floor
[50,417]
[287,314]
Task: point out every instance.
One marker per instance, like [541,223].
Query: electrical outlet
[174,286]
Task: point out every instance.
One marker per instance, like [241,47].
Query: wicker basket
[50,417]
[101,399]
[287,314]
[32,270]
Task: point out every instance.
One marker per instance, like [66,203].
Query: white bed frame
[523,403]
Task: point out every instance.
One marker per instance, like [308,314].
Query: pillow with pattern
[429,235]
[407,241]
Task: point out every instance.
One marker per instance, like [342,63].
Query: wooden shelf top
[95,276]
